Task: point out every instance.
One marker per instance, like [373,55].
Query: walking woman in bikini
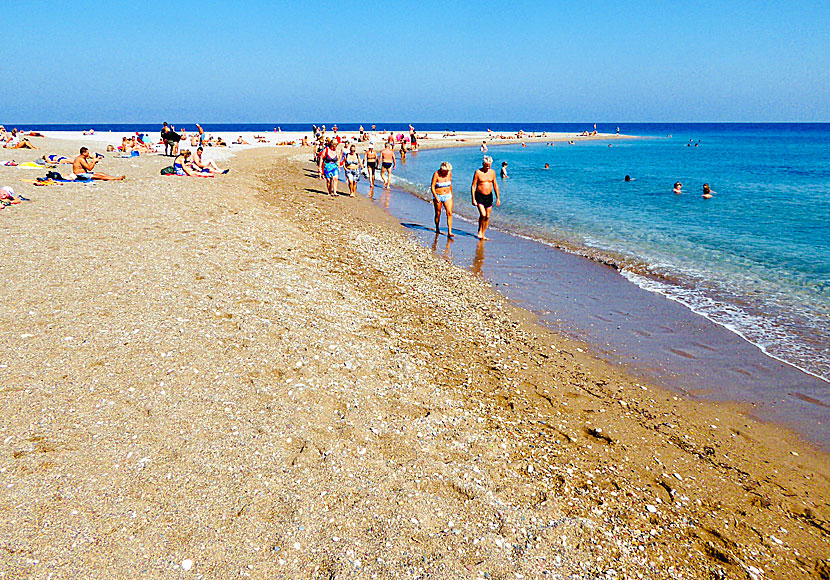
[371,161]
[441,188]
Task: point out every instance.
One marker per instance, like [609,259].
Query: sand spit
[241,377]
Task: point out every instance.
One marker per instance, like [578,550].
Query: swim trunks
[387,165]
[485,200]
[372,165]
[444,197]
[331,170]
[83,176]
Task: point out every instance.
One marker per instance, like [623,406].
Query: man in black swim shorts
[484,184]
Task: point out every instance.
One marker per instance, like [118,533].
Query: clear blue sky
[420,61]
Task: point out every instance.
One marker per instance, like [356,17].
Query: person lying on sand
[84,168]
[56,159]
[240,141]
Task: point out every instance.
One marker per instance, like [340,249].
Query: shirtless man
[84,168]
[484,184]
[387,164]
[204,166]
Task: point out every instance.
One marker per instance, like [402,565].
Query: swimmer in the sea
[707,193]
[678,188]
[504,170]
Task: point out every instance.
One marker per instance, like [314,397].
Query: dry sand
[241,377]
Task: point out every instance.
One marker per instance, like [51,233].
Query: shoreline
[305,389]
[659,339]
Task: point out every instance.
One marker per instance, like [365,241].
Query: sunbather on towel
[55,159]
[84,168]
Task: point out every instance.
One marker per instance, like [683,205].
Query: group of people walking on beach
[484,190]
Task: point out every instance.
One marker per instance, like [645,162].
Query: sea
[754,260]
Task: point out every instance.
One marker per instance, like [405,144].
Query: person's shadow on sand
[422,228]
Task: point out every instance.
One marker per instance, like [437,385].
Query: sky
[417,61]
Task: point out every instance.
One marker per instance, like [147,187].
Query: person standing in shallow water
[441,188]
[387,164]
[370,160]
[482,189]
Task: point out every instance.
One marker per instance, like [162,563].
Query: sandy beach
[242,377]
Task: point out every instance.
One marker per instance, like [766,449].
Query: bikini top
[441,184]
[328,158]
[350,163]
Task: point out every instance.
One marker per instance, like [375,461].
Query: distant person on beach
[352,166]
[707,193]
[678,188]
[403,152]
[370,160]
[484,184]
[171,139]
[387,164]
[413,138]
[483,147]
[504,170]
[84,168]
[330,166]
[441,188]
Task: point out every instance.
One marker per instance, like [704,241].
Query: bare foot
[450,235]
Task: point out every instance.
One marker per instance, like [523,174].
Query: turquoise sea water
[755,258]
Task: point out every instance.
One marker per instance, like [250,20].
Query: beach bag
[168,170]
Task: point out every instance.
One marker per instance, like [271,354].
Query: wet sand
[244,377]
[650,335]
